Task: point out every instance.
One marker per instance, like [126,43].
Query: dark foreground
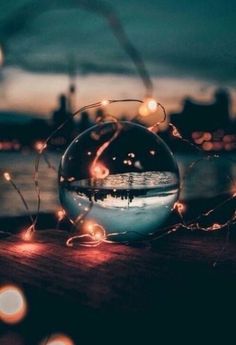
[114,292]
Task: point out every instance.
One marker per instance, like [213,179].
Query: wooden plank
[117,276]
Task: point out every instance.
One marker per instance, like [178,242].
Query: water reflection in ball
[121,176]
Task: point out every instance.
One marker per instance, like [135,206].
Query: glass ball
[121,177]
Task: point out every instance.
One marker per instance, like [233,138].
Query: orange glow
[196,135]
[175,132]
[13,305]
[104,102]
[40,146]
[97,231]
[149,106]
[99,171]
[207,146]
[60,214]
[7,176]
[180,207]
[98,236]
[207,136]
[58,339]
[27,248]
[28,233]
[216,226]
[199,141]
[27,236]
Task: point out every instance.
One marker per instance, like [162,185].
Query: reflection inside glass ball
[121,176]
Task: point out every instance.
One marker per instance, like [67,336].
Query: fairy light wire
[9,179]
[61,126]
[178,207]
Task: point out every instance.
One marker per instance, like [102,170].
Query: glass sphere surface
[120,176]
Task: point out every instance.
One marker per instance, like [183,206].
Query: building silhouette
[203,117]
[62,116]
[84,122]
[207,125]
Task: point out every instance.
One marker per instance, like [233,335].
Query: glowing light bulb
[97,232]
[28,233]
[148,107]
[12,304]
[104,102]
[7,176]
[40,146]
[99,171]
[175,132]
[216,226]
[60,214]
[151,105]
[180,207]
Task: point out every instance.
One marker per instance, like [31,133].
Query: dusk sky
[189,49]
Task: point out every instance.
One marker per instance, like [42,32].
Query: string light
[61,215]
[104,102]
[29,231]
[7,176]
[99,171]
[148,107]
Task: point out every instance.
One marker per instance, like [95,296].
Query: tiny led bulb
[151,104]
[99,171]
[180,207]
[7,176]
[148,107]
[98,236]
[60,214]
[40,146]
[28,233]
[104,102]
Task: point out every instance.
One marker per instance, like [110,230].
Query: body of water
[206,179]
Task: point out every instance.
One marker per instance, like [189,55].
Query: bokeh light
[148,107]
[13,305]
[58,339]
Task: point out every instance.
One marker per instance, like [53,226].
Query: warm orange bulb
[148,107]
[40,146]
[28,233]
[60,214]
[104,102]
[180,207]
[7,176]
[13,305]
[99,171]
